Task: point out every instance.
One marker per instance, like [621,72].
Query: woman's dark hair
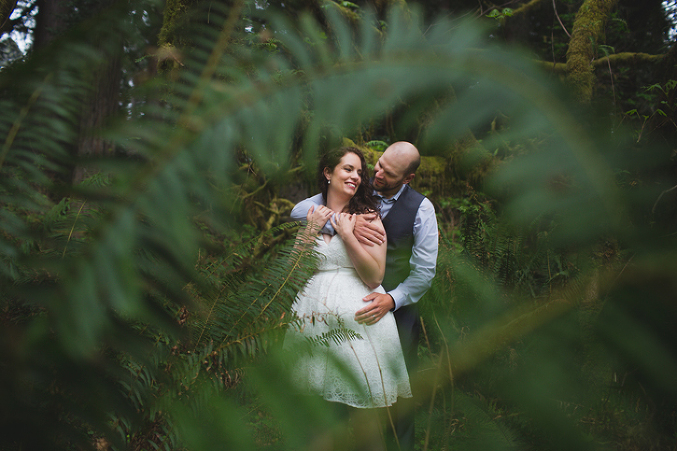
[364,200]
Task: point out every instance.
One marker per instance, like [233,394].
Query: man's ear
[408,179]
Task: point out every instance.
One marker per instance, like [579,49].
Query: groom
[411,228]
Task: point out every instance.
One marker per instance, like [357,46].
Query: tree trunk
[103,98]
[587,34]
[102,103]
[174,16]
[49,22]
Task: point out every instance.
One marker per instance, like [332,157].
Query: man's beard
[384,186]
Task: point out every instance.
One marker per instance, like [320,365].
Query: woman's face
[346,176]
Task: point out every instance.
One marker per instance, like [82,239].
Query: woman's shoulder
[377,219]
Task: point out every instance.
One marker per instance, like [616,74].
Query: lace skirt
[337,358]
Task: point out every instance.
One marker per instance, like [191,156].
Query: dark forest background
[150,154]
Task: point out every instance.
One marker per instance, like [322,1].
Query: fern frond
[337,335]
[135,261]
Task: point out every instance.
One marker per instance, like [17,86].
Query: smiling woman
[346,176]
[359,365]
[346,164]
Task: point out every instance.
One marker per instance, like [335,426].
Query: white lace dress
[366,370]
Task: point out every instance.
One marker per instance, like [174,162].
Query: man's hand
[379,305]
[368,232]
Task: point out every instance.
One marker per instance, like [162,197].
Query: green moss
[435,177]
[174,16]
[588,32]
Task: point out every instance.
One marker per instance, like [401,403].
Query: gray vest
[399,226]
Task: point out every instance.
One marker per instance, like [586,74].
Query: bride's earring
[328,182]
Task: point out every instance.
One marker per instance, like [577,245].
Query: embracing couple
[378,238]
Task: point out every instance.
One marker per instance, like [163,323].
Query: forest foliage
[144,307]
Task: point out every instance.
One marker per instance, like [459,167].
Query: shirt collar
[392,199]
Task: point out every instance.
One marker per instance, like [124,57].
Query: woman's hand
[344,224]
[317,218]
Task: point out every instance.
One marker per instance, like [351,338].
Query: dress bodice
[333,254]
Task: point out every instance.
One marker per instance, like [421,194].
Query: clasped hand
[318,217]
[344,224]
[362,226]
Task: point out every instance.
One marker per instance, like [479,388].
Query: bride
[355,364]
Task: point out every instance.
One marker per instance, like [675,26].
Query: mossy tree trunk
[587,35]
[174,16]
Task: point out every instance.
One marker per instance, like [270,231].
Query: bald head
[406,155]
[396,167]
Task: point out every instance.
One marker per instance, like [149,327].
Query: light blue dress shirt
[424,251]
